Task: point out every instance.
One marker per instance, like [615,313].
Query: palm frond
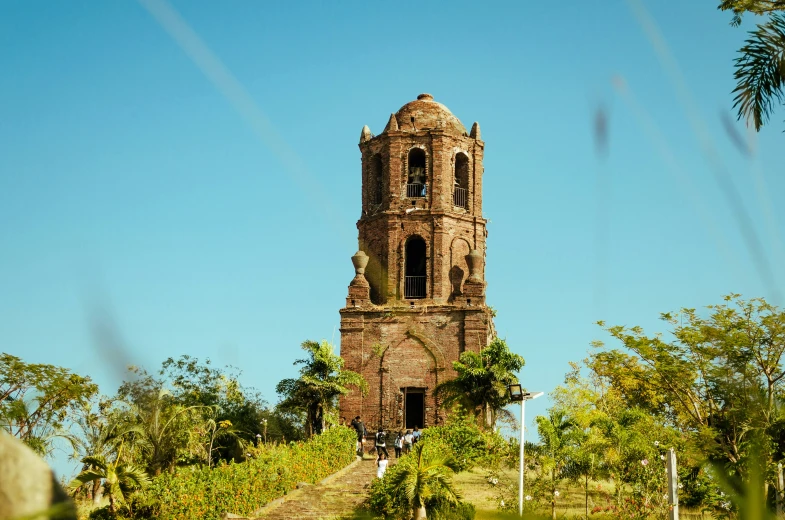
[85,477]
[760,72]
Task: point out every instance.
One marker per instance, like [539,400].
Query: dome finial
[425,97]
[365,135]
[392,124]
[475,133]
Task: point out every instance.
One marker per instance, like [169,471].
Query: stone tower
[417,300]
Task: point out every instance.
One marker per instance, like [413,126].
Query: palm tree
[555,430]
[482,381]
[100,437]
[165,429]
[424,474]
[119,478]
[760,71]
[221,430]
[322,379]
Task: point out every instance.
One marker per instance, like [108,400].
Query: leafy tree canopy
[37,399]
[720,379]
[759,7]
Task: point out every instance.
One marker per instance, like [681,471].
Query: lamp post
[264,425]
[517,394]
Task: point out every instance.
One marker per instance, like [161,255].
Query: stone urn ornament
[474,259]
[360,261]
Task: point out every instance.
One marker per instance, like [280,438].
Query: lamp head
[516,392]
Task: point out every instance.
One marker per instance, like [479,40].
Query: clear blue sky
[132,184]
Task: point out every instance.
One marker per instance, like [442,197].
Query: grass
[474,486]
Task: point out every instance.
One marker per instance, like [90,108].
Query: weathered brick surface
[395,342]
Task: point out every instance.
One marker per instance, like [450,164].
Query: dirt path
[336,499]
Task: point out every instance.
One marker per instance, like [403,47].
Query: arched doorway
[415,279]
[417,178]
[460,192]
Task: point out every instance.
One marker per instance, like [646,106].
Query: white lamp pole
[522,397]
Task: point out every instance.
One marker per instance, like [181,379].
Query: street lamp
[264,424]
[517,394]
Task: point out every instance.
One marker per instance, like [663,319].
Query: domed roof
[426,114]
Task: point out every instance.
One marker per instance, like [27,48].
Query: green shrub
[101,513]
[385,502]
[448,511]
[270,472]
[382,500]
[468,443]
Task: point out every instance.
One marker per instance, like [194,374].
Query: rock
[301,485]
[28,486]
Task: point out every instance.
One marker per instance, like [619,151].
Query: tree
[36,400]
[587,401]
[719,378]
[322,379]
[220,396]
[217,431]
[554,431]
[760,70]
[759,7]
[482,381]
[119,478]
[102,431]
[169,430]
[424,474]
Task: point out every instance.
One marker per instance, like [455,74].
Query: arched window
[375,179]
[416,181]
[460,192]
[415,269]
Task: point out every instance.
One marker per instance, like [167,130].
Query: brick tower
[417,300]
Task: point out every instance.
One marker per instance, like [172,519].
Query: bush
[448,511]
[384,501]
[271,472]
[468,443]
[101,513]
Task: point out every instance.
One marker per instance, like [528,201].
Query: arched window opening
[416,183]
[460,192]
[375,179]
[415,269]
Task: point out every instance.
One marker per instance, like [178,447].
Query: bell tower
[417,300]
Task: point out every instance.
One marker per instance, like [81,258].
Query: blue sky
[133,187]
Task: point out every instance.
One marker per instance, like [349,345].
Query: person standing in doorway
[416,435]
[381,443]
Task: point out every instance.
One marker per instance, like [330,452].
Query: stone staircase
[338,498]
